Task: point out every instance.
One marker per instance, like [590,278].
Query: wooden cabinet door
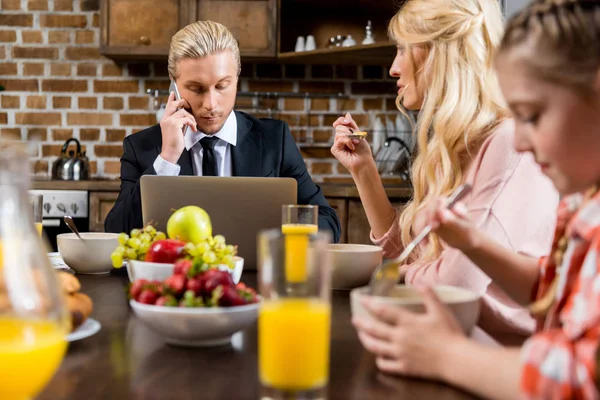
[252,22]
[100,205]
[340,206]
[358,224]
[140,28]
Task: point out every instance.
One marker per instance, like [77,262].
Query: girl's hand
[352,153]
[406,343]
[452,226]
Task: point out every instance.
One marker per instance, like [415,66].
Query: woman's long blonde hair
[462,103]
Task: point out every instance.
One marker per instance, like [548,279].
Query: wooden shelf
[372,54]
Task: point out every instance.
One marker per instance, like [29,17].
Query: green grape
[230,249]
[144,247]
[190,248]
[123,237]
[227,260]
[160,236]
[202,248]
[219,248]
[141,256]
[131,254]
[135,233]
[209,257]
[145,237]
[119,250]
[150,230]
[219,239]
[117,260]
[134,243]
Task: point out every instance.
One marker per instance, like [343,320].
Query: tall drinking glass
[36,201]
[33,316]
[297,222]
[294,326]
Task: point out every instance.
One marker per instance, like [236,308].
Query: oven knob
[74,208]
[61,207]
[47,207]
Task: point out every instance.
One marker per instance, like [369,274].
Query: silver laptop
[239,207]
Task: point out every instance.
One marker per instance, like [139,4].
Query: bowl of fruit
[195,308]
[152,256]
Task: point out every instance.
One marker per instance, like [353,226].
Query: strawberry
[213,278]
[231,297]
[167,301]
[147,297]
[175,284]
[182,267]
[195,285]
[247,293]
[136,288]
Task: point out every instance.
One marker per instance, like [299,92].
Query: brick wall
[58,86]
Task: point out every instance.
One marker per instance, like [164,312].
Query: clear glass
[294,318]
[36,201]
[33,316]
[297,221]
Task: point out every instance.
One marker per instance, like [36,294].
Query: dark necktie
[209,158]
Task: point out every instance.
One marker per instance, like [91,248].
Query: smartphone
[173,88]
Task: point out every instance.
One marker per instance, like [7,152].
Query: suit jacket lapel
[185,162]
[246,155]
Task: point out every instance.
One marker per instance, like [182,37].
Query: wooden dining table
[127,360]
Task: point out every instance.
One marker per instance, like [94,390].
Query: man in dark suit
[205,64]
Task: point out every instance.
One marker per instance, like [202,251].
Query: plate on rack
[87,329]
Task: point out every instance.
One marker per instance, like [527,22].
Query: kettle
[74,167]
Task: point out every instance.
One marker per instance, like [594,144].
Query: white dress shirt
[227,137]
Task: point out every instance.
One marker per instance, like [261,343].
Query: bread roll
[80,306]
[70,284]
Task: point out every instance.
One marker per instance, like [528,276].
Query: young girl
[549,71]
[444,70]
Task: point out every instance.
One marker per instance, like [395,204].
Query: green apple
[190,224]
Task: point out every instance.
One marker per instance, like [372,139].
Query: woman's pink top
[513,203]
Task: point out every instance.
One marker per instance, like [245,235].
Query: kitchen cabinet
[265,29]
[358,228]
[252,22]
[100,205]
[140,29]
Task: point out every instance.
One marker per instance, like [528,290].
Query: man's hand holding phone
[173,124]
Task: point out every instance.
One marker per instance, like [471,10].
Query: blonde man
[204,63]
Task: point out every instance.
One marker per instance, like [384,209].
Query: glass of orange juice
[294,326]
[36,201]
[34,320]
[297,222]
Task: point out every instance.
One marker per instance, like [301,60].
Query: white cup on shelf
[299,44]
[310,43]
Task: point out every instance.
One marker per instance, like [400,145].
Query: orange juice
[296,243]
[38,226]
[30,353]
[293,343]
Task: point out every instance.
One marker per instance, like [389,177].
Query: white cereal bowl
[352,264]
[196,327]
[89,255]
[463,303]
[160,271]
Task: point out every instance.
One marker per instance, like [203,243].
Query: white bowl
[196,327]
[160,271]
[463,303]
[89,255]
[353,264]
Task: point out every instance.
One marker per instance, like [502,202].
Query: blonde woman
[444,69]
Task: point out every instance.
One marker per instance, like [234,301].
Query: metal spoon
[385,277]
[69,221]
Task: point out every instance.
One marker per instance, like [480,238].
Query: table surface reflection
[127,360]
